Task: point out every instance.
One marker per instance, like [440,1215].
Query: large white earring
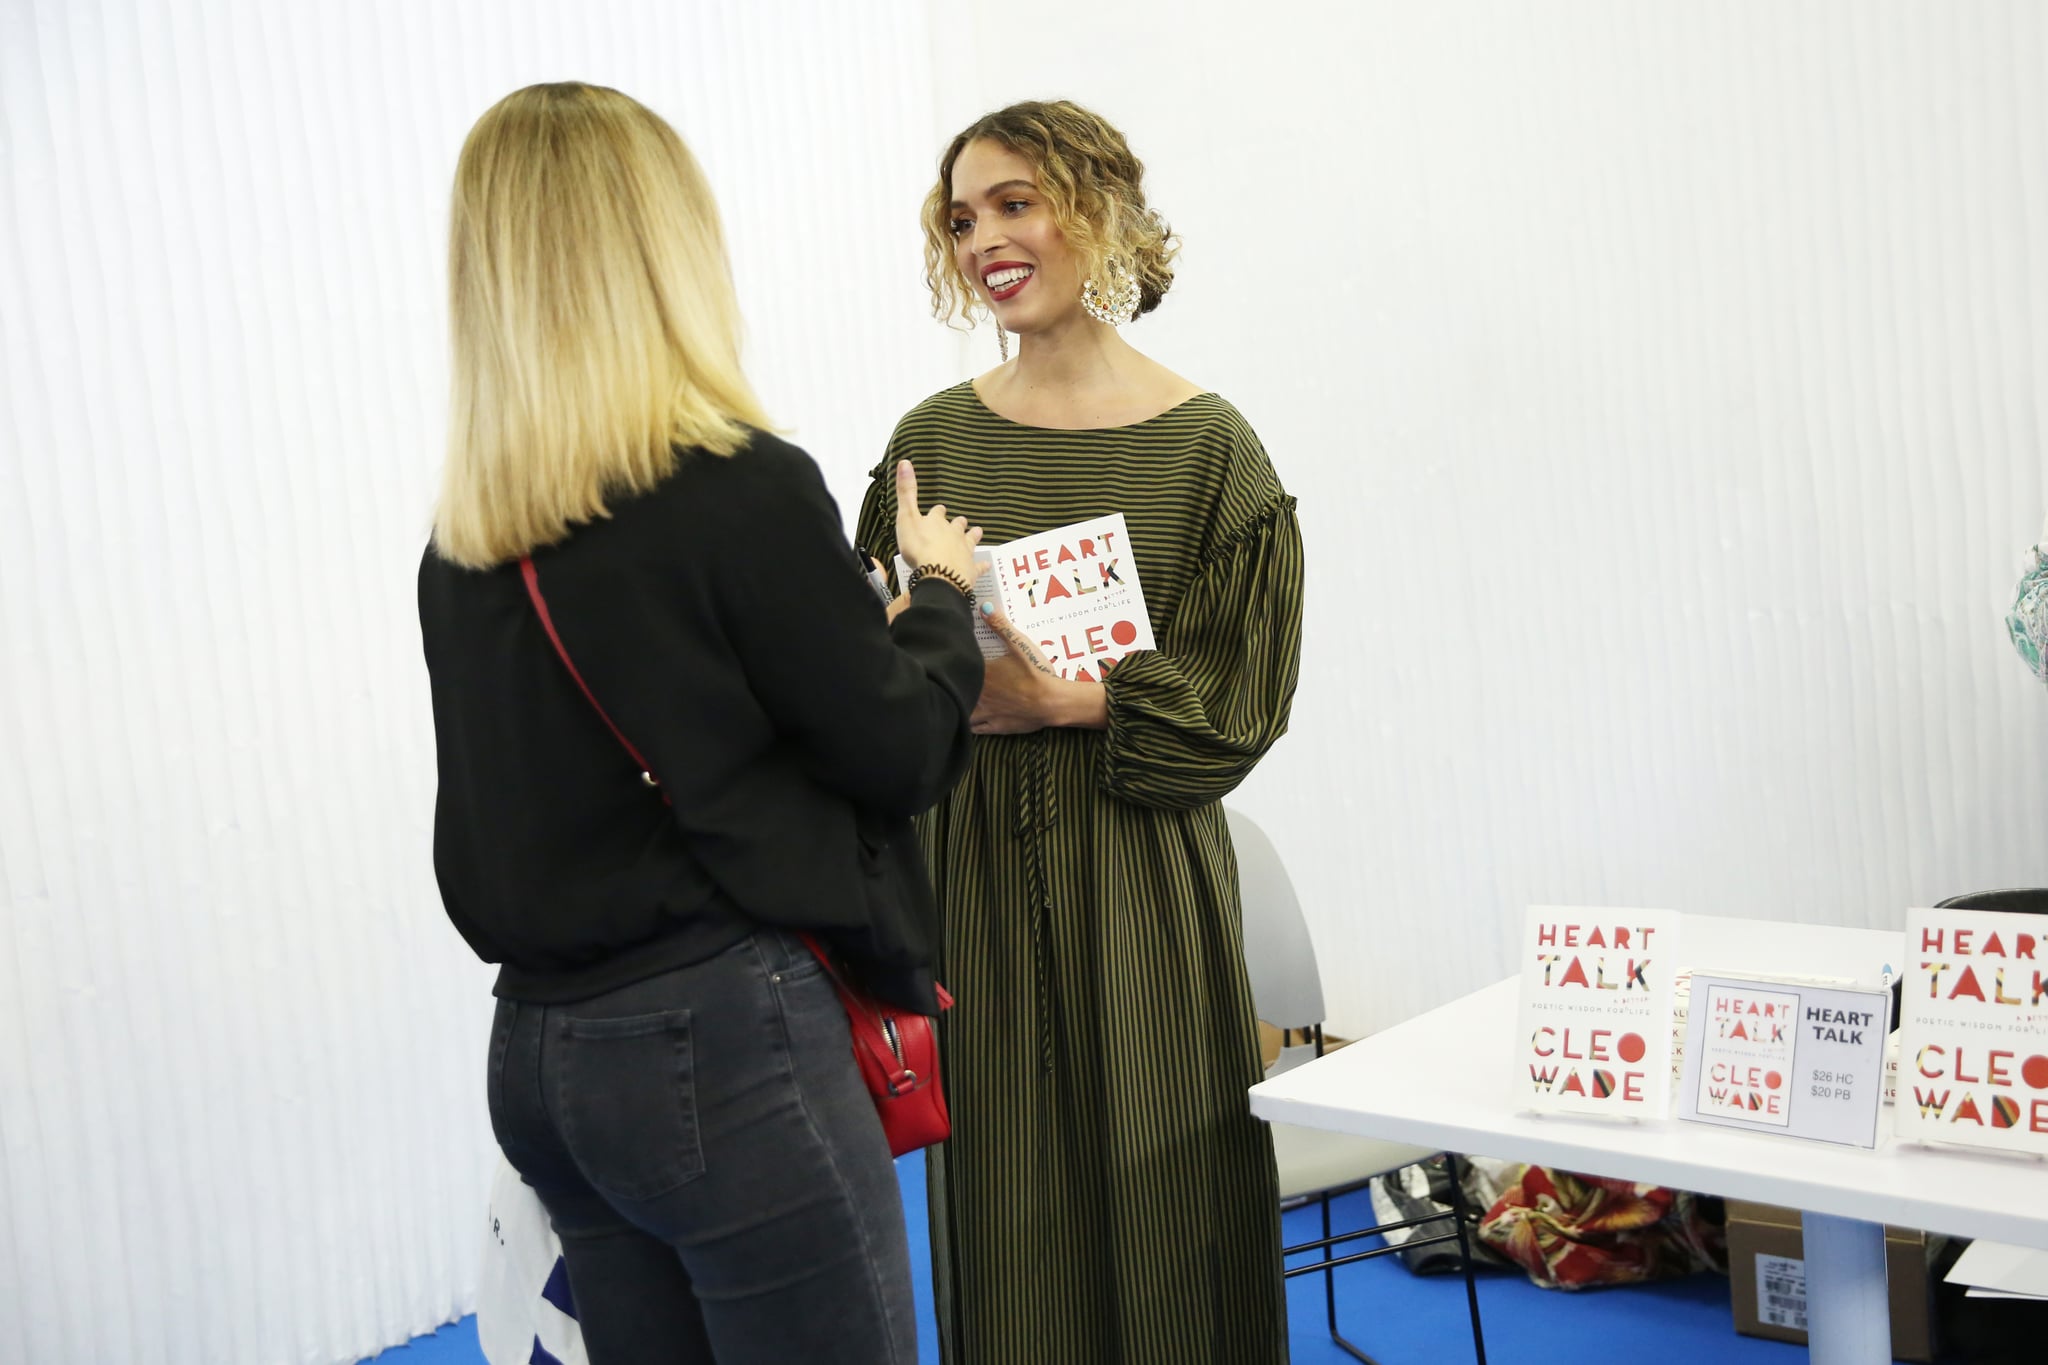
[1116,305]
[1003,342]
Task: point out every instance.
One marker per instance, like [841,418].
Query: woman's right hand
[932,537]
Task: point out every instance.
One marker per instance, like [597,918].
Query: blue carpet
[1400,1318]
[454,1344]
[1404,1319]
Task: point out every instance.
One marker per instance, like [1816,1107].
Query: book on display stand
[1593,1031]
[1973,1030]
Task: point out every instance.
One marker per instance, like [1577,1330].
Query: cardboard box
[1767,1279]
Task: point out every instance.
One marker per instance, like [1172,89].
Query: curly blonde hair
[1093,184]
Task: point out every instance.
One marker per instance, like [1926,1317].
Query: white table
[1442,1080]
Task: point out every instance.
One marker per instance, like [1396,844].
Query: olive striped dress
[1106,1198]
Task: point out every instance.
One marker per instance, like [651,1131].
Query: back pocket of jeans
[626,1090]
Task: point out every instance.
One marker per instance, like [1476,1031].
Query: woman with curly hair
[1107,1196]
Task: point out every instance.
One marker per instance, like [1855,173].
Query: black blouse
[723,622]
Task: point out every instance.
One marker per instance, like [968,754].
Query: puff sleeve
[1189,721]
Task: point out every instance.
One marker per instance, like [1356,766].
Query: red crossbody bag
[898,1050]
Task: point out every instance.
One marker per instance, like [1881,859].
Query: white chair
[1315,1164]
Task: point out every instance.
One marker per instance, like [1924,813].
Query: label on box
[1781,1292]
[1807,1061]
[1973,1030]
[1593,1034]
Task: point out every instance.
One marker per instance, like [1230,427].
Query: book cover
[1973,1030]
[1593,1034]
[1072,590]
[1075,591]
[1747,1035]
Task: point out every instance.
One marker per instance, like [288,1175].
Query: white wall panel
[241,1051]
[1663,386]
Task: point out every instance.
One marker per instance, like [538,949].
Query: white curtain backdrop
[241,1051]
[1662,383]
[1664,386]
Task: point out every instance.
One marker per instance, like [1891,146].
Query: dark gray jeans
[713,1165]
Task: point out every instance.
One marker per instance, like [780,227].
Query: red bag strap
[528,572]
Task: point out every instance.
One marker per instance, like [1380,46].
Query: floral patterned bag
[1580,1231]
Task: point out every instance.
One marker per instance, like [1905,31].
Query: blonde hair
[1092,183]
[593,322]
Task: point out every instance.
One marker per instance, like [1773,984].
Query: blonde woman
[668,1068]
[1107,1199]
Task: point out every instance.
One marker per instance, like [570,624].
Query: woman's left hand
[1017,690]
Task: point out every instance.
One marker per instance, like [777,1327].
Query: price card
[1807,1061]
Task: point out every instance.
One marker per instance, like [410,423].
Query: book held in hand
[1072,590]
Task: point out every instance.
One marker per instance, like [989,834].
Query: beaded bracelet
[943,575]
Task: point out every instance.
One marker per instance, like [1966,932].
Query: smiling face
[1029,200]
[1006,242]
